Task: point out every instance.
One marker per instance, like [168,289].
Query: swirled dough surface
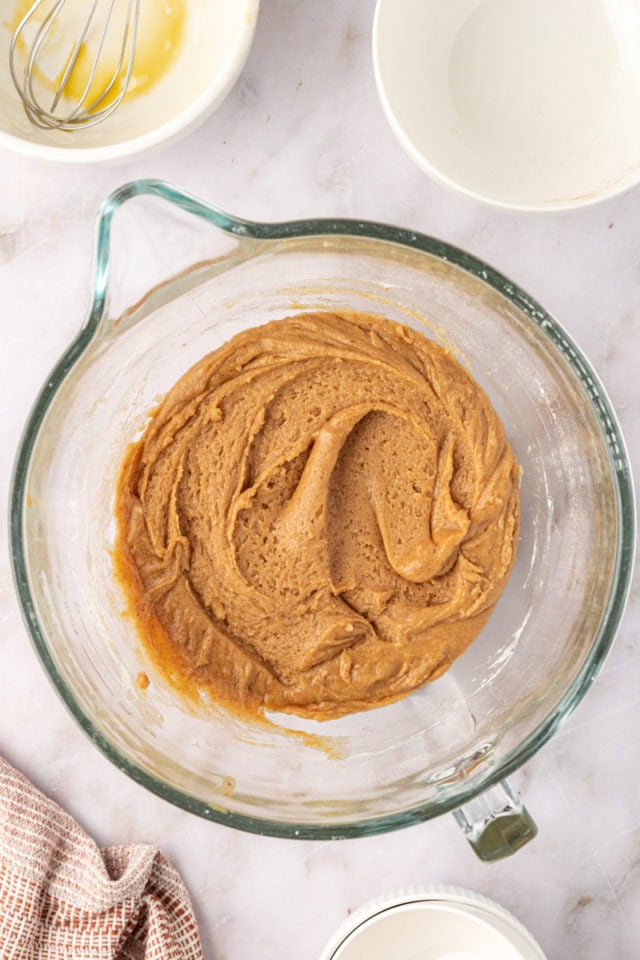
[320,516]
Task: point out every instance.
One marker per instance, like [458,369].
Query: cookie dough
[320,516]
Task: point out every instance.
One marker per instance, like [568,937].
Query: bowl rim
[594,394]
[443,896]
[198,110]
[614,188]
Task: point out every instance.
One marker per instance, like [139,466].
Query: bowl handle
[496,823]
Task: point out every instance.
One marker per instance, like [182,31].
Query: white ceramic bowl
[432,923]
[526,104]
[218,38]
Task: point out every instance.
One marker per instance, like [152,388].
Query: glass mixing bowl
[449,745]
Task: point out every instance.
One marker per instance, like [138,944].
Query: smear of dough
[320,516]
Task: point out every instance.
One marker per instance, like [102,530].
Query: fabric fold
[62,897]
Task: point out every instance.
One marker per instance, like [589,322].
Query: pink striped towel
[62,898]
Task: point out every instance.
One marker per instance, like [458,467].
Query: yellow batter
[319,518]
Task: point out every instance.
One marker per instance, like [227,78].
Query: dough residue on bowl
[319,518]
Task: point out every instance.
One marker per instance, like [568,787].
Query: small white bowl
[432,923]
[526,104]
[219,34]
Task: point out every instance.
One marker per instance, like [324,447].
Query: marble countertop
[302,134]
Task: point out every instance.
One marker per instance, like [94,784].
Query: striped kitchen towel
[62,898]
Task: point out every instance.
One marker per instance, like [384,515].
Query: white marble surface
[302,134]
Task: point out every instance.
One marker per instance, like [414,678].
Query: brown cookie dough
[320,516]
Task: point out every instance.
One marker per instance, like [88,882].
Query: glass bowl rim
[594,394]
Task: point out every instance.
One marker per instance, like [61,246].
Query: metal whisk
[63,113]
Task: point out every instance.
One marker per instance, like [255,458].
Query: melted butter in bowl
[160,36]
[189,54]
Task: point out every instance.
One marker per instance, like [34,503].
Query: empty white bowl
[527,104]
[218,37]
[433,923]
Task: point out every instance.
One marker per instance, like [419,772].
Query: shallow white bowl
[432,923]
[526,104]
[218,38]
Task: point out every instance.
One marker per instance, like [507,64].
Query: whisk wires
[89,108]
